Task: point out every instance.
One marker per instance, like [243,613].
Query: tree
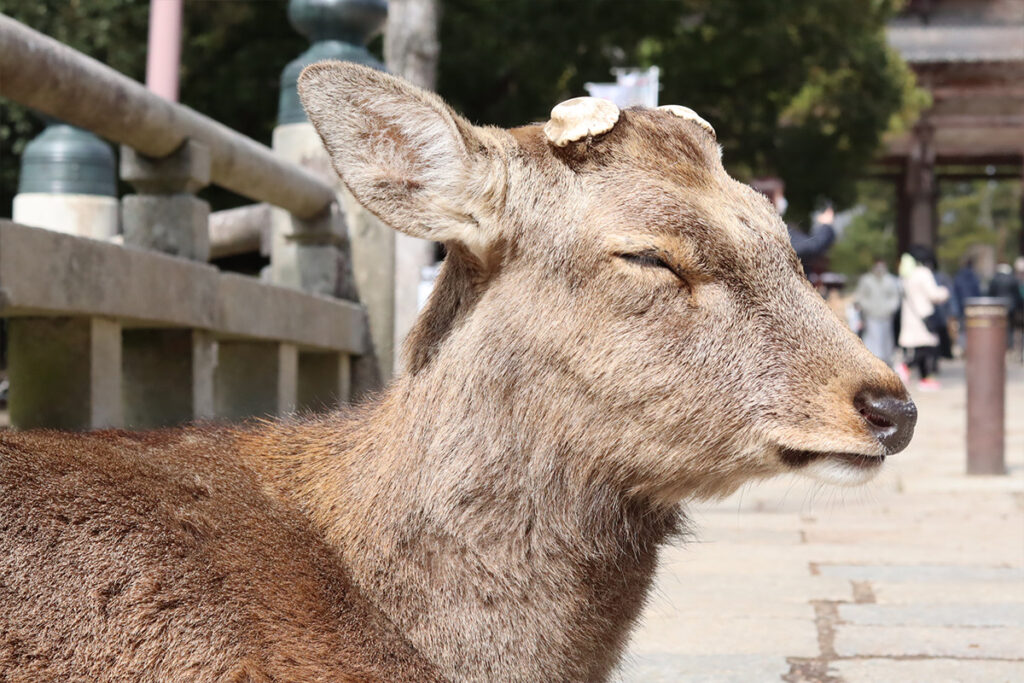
[871,233]
[803,89]
[978,212]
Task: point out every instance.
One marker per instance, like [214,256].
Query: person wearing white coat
[878,296]
[920,295]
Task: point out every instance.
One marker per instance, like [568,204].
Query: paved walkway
[918,576]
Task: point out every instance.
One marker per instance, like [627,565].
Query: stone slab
[949,614]
[729,595]
[944,670]
[671,668]
[44,273]
[721,558]
[930,641]
[714,635]
[898,593]
[249,308]
[176,224]
[942,573]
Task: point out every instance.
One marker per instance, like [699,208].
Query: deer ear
[404,154]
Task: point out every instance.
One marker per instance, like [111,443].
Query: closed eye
[650,259]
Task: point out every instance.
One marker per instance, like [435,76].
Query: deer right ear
[404,154]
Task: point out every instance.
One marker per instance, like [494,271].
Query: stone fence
[138,330]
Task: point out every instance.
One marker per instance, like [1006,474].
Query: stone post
[168,376]
[986,385]
[168,373]
[254,379]
[68,183]
[65,373]
[300,257]
[166,215]
[324,380]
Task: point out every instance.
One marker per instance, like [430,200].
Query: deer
[619,329]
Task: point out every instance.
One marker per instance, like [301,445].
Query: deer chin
[843,469]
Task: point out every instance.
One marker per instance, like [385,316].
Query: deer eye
[649,259]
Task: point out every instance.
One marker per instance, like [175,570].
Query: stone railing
[146,333]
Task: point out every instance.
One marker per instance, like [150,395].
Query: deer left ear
[404,154]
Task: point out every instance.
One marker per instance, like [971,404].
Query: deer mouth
[796,459]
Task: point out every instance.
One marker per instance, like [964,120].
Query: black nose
[890,419]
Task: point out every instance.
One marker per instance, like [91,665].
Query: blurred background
[888,133]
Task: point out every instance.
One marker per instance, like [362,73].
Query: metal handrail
[50,77]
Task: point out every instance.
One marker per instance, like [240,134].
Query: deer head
[609,285]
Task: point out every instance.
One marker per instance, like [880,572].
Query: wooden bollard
[986,385]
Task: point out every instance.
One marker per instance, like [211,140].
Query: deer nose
[890,419]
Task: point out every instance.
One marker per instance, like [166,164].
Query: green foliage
[802,89]
[970,214]
[978,212]
[870,235]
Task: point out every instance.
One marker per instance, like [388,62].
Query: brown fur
[502,504]
[154,557]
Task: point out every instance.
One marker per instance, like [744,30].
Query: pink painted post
[164,56]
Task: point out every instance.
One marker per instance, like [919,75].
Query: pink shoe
[903,371]
[929,384]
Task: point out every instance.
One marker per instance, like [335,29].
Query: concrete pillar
[65,373]
[255,379]
[168,376]
[309,254]
[365,273]
[986,385]
[166,215]
[324,381]
[339,29]
[68,183]
[412,255]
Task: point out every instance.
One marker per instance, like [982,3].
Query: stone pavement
[917,576]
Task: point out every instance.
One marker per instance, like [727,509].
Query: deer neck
[482,534]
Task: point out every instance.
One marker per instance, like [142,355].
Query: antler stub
[579,117]
[690,115]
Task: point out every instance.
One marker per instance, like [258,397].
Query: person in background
[944,312]
[1005,286]
[1018,269]
[808,246]
[878,297]
[966,285]
[920,296]
[812,245]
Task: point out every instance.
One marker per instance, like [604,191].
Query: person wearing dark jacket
[809,246]
[1004,286]
[966,285]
